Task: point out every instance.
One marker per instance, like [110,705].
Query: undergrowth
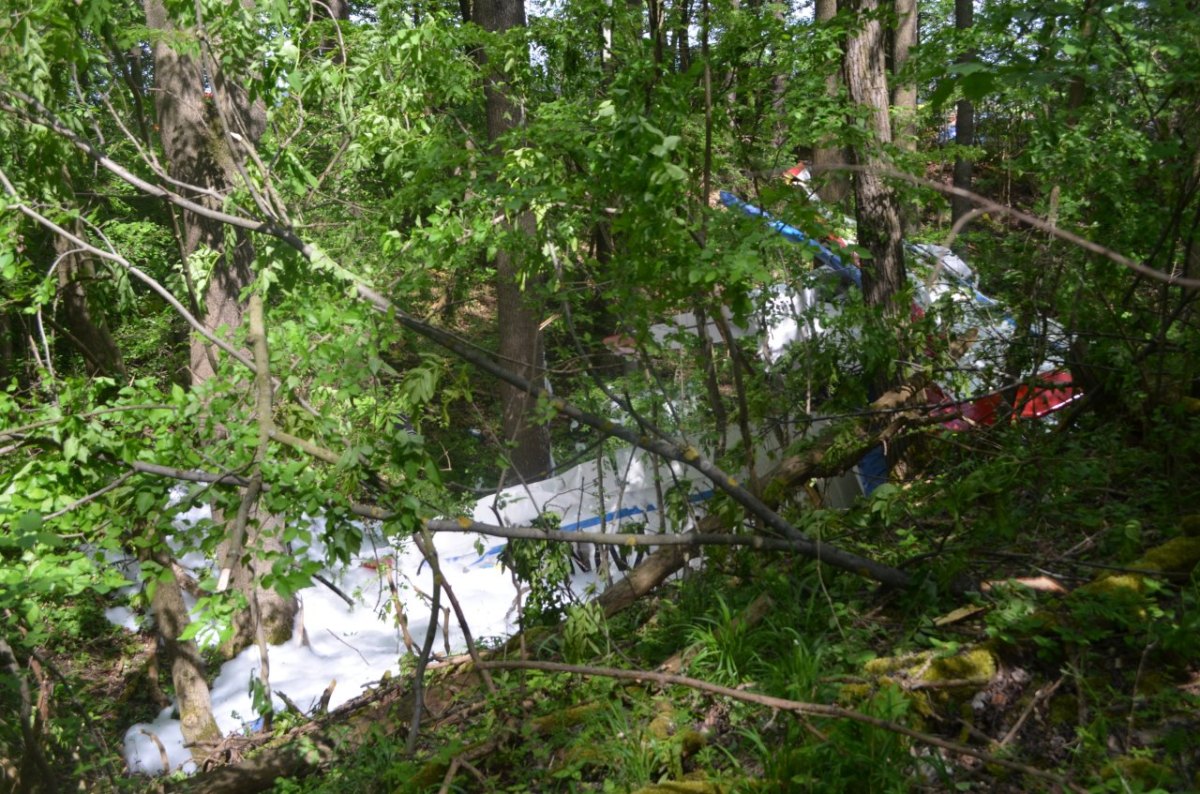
[1096,682]
[1098,685]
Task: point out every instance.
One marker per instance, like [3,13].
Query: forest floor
[1069,662]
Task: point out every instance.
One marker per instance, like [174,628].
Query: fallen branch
[311,746]
[35,112]
[987,205]
[782,704]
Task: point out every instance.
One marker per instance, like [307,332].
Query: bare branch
[110,256]
[988,205]
[690,540]
[793,706]
[94,495]
[668,449]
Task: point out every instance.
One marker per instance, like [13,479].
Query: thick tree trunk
[200,730]
[88,331]
[876,208]
[519,310]
[682,33]
[198,151]
[904,94]
[832,185]
[964,125]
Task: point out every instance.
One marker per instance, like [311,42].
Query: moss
[1190,525]
[682,787]
[691,741]
[279,634]
[977,664]
[1116,583]
[854,693]
[1178,556]
[1146,771]
[564,719]
[586,755]
[974,665]
[663,724]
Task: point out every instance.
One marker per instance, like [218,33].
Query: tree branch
[793,706]
[670,450]
[988,205]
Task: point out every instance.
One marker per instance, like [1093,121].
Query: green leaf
[29,522]
[145,502]
[941,92]
[978,85]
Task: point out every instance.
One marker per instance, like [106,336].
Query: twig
[323,703]
[1137,680]
[154,285]
[162,751]
[988,205]
[414,728]
[794,706]
[112,486]
[335,589]
[85,714]
[424,542]
[348,645]
[33,752]
[449,776]
[288,703]
[398,605]
[1042,694]
[956,683]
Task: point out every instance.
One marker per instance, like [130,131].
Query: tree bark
[682,28]
[904,95]
[832,185]
[88,330]
[198,149]
[200,730]
[876,207]
[964,124]
[10,366]
[519,310]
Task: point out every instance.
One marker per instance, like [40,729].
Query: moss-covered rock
[1177,556]
[975,666]
[683,787]
[1190,525]
[927,680]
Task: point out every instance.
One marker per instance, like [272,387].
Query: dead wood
[307,749]
[389,710]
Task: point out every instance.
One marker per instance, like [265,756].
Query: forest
[700,396]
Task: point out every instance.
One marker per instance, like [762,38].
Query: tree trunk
[904,95]
[198,152]
[519,310]
[876,208]
[88,332]
[200,730]
[682,33]
[832,185]
[10,366]
[964,124]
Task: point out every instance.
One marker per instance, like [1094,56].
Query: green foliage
[376,147]
[545,569]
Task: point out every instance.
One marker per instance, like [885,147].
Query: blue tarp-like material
[822,253]
[873,468]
